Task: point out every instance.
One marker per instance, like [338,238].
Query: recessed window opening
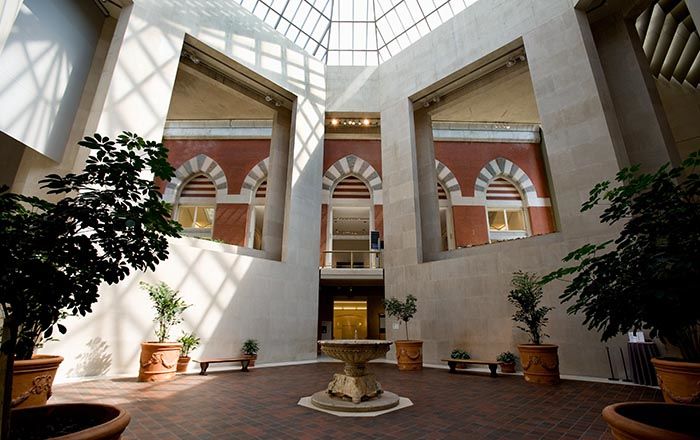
[197,206]
[505,211]
[351,221]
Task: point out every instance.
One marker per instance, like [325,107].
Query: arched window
[505,211]
[351,220]
[196,206]
[257,216]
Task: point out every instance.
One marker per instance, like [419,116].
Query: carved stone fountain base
[324,400]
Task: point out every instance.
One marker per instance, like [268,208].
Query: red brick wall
[230,223]
[236,157]
[466,159]
[541,220]
[368,150]
[470,225]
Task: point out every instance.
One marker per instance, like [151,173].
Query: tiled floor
[263,404]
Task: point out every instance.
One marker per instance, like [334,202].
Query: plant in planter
[409,354]
[644,278]
[458,353]
[507,360]
[189,342]
[540,361]
[159,358]
[250,349]
[56,255]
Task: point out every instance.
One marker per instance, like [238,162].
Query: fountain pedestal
[355,389]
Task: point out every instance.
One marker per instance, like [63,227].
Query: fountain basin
[354,389]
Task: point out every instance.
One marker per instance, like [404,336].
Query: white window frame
[197,204]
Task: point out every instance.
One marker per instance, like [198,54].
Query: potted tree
[409,354]
[55,255]
[540,361]
[645,278]
[189,342]
[158,361]
[250,349]
[507,360]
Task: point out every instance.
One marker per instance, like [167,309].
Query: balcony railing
[351,259]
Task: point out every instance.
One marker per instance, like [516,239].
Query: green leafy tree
[168,305]
[647,277]
[526,297]
[54,256]
[189,342]
[403,310]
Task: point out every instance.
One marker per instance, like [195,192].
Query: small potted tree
[189,342]
[250,349]
[409,354]
[540,361]
[55,256]
[647,277]
[158,361]
[507,360]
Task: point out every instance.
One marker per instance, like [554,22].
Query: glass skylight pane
[345,30]
[344,10]
[272,18]
[360,36]
[291,9]
[434,20]
[360,12]
[359,58]
[261,11]
[345,58]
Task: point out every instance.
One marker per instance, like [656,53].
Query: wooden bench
[204,363]
[454,362]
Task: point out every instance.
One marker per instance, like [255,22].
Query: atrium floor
[263,404]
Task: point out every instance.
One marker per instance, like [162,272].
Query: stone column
[645,129]
[139,75]
[584,143]
[427,185]
[273,223]
[400,186]
[8,14]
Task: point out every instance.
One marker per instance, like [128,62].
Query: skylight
[354,32]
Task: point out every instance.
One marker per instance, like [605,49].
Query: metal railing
[351,259]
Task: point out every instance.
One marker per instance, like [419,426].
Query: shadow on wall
[95,361]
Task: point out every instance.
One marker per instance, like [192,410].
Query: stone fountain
[354,389]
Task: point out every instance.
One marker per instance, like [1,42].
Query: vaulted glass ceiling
[354,32]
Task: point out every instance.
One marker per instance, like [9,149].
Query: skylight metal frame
[321,27]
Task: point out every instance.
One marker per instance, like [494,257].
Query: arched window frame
[509,171]
[255,177]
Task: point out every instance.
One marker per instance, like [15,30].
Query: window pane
[497,220]
[185,216]
[205,217]
[516,221]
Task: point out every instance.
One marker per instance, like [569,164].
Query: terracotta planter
[508,368]
[95,421]
[409,355]
[252,358]
[653,420]
[32,380]
[182,363]
[679,381]
[540,363]
[158,361]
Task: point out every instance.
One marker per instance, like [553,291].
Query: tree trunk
[9,336]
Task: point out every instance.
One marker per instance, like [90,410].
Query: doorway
[349,319]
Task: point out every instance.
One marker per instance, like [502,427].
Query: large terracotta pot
[95,421]
[32,380]
[158,361]
[409,355]
[679,381]
[182,363]
[653,421]
[540,363]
